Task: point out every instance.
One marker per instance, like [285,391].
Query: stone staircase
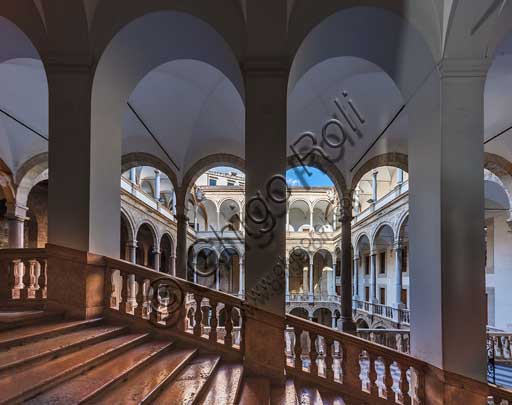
[46,359]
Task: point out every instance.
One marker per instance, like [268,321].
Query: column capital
[398,245]
[464,67]
[357,257]
[16,211]
[132,243]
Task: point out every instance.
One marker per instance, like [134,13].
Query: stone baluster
[43,280]
[313,354]
[404,385]
[198,316]
[372,375]
[124,306]
[329,359]
[213,322]
[228,339]
[388,380]
[139,299]
[298,348]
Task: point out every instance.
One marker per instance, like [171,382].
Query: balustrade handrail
[22,253]
[191,287]
[376,348]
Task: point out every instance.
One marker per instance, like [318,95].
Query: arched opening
[298,270]
[323,274]
[206,268]
[166,254]
[323,316]
[125,237]
[146,242]
[362,282]
[229,271]
[36,229]
[300,312]
[383,257]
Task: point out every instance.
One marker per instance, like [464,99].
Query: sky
[301,176]
[306,176]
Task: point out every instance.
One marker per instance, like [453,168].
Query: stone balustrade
[357,367]
[24,273]
[396,339]
[166,302]
[501,346]
[396,315]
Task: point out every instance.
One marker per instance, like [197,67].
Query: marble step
[52,347]
[19,385]
[148,382]
[89,386]
[15,319]
[255,391]
[187,387]
[225,385]
[26,334]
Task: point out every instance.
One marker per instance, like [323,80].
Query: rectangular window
[367,265]
[382,268]
[403,296]
[405,260]
[367,293]
[212,182]
[231,183]
[382,296]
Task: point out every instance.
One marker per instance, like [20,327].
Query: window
[367,293]
[382,268]
[382,296]
[212,182]
[405,258]
[403,296]
[366,265]
[231,183]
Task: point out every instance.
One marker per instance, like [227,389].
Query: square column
[398,276]
[446,226]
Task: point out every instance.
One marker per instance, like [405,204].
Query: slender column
[174,203]
[218,219]
[347,321]
[356,277]
[133,175]
[311,218]
[333,322]
[157,255]
[446,153]
[173,265]
[194,268]
[287,219]
[357,202]
[373,277]
[334,218]
[157,184]
[311,273]
[195,218]
[305,282]
[374,186]
[181,241]
[241,289]
[287,277]
[131,249]
[398,275]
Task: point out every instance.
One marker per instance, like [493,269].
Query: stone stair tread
[224,385]
[14,318]
[255,391]
[52,346]
[147,381]
[284,394]
[90,384]
[28,333]
[17,386]
[187,386]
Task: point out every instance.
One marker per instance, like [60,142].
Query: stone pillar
[241,282]
[156,259]
[16,217]
[195,218]
[311,274]
[173,265]
[356,277]
[311,218]
[133,175]
[398,275]
[194,268]
[305,282]
[287,219]
[84,160]
[347,321]
[373,277]
[218,228]
[157,184]
[131,250]
[266,82]
[174,203]
[333,322]
[181,241]
[357,202]
[374,186]
[287,278]
[446,226]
